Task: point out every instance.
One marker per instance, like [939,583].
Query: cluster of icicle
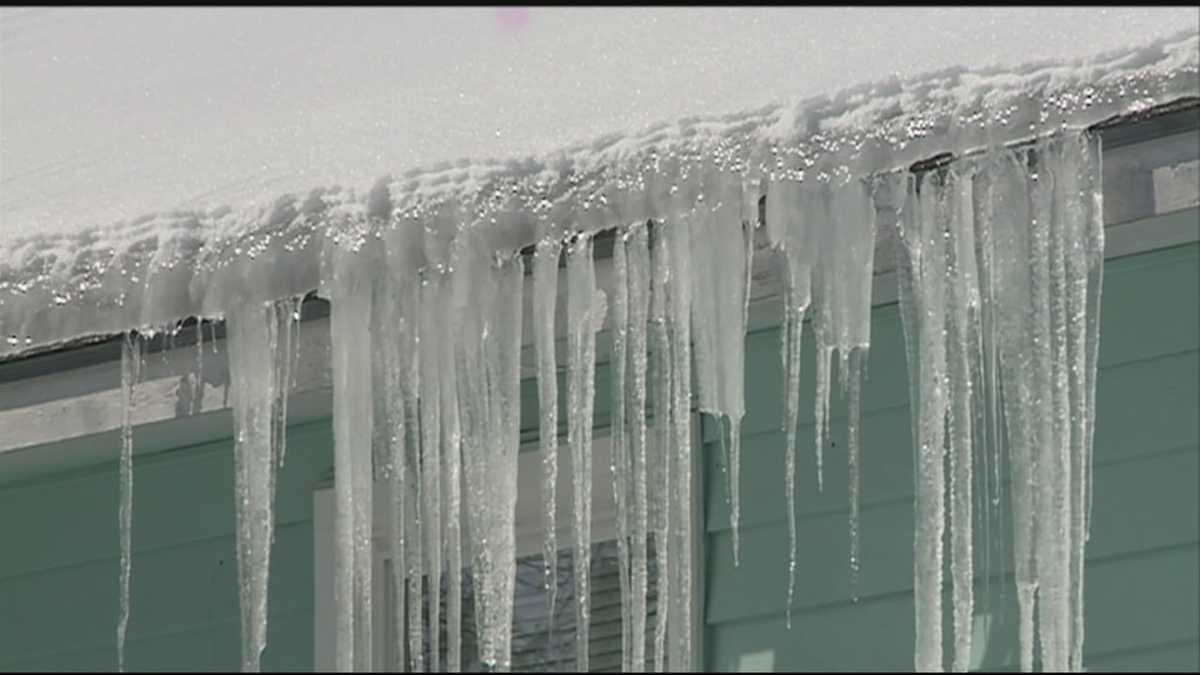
[426,372]
[429,327]
[263,344]
[999,269]
[261,339]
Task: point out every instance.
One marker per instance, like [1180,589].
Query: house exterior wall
[58,565]
[58,569]
[1142,599]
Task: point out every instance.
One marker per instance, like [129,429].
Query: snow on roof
[166,266]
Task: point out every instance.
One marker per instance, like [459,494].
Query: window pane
[535,647]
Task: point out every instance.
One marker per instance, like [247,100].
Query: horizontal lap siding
[58,572]
[1143,590]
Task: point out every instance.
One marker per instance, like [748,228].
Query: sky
[111,113]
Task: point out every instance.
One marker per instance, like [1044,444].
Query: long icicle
[660,464]
[431,446]
[410,480]
[620,461]
[348,287]
[784,217]
[259,366]
[452,484]
[987,376]
[492,418]
[962,299]
[853,222]
[131,374]
[583,319]
[737,354]
[720,310]
[854,375]
[922,235]
[1049,348]
[679,307]
[1009,210]
[396,346]
[489,294]
[1091,240]
[821,400]
[1069,172]
[545,296]
[796,305]
[639,296]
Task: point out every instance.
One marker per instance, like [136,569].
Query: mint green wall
[58,566]
[1143,565]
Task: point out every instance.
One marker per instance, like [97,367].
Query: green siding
[1143,574]
[58,571]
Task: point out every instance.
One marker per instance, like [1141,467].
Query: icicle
[414,543]
[212,336]
[679,315]
[198,383]
[659,463]
[165,344]
[620,461]
[131,374]
[489,392]
[1091,241]
[734,353]
[719,296]
[1048,347]
[408,477]
[1075,236]
[584,315]
[986,371]
[796,302]
[783,205]
[1010,218]
[258,369]
[347,283]
[545,295]
[848,268]
[507,392]
[639,285]
[923,236]
[451,490]
[821,230]
[821,412]
[1075,286]
[287,318]
[1044,281]
[962,300]
[854,365]
[394,309]
[429,353]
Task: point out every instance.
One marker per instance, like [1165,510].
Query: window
[537,644]
[534,648]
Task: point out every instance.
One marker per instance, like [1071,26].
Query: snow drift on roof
[163,267]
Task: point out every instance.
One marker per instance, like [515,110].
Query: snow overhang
[161,268]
